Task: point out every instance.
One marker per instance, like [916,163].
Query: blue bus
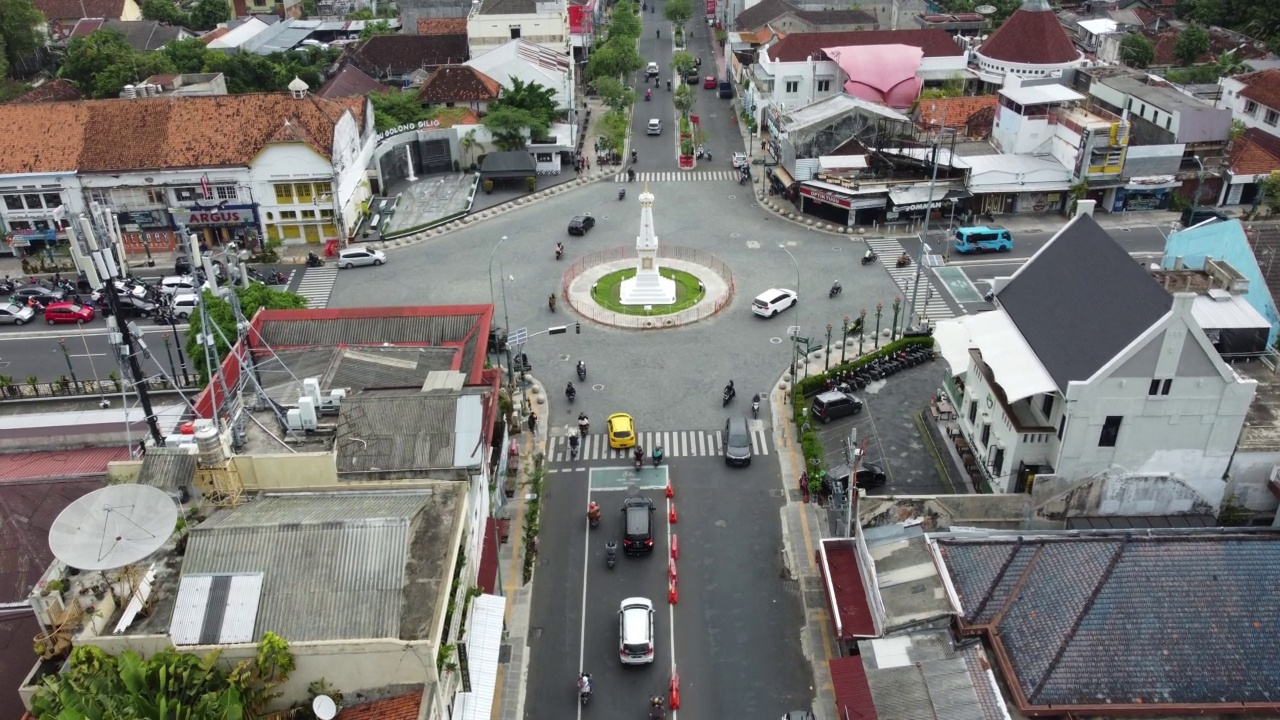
[983,239]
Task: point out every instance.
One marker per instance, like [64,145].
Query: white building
[529,63]
[276,166]
[1254,99]
[494,23]
[1030,44]
[1088,371]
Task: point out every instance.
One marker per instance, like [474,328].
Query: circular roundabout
[594,287]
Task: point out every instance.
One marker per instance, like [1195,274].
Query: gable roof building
[142,35]
[62,15]
[784,17]
[530,63]
[1030,44]
[452,85]
[57,90]
[442,26]
[1254,99]
[798,47]
[1079,372]
[390,57]
[350,81]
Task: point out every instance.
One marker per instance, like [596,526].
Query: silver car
[15,314]
[352,257]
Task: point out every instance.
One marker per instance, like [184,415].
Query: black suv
[835,404]
[580,224]
[132,306]
[637,538]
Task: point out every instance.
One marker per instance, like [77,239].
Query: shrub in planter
[686,147]
[531,183]
[457,167]
[488,186]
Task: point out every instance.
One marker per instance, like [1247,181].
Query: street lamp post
[1195,200]
[794,347]
[172,368]
[506,323]
[928,210]
[793,262]
[62,343]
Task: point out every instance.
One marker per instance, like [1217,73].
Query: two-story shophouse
[280,166]
[1089,372]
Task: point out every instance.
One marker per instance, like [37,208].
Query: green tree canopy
[1137,51]
[615,94]
[397,107]
[614,59]
[169,684]
[1191,44]
[19,36]
[683,63]
[624,21]
[677,11]
[165,11]
[377,27]
[507,125]
[103,63]
[208,13]
[361,14]
[220,313]
[533,97]
[613,129]
[187,56]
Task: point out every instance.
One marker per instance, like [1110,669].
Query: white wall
[550,30]
[803,74]
[1231,100]
[290,163]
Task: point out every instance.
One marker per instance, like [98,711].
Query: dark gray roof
[837,17]
[352,368]
[1187,617]
[512,164]
[389,437]
[167,468]
[509,7]
[350,81]
[762,13]
[1081,300]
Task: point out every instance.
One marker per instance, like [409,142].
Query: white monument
[647,287]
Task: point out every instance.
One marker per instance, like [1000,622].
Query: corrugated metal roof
[853,694]
[846,595]
[216,609]
[333,567]
[59,464]
[417,330]
[484,642]
[167,468]
[396,433]
[921,675]
[468,430]
[1228,313]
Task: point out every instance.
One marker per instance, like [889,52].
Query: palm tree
[1230,63]
[468,143]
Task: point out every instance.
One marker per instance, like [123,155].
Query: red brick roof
[76,9]
[458,83]
[1255,153]
[1262,87]
[350,81]
[931,114]
[450,116]
[442,26]
[401,707]
[52,91]
[797,47]
[1031,37]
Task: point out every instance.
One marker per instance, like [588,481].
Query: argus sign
[410,127]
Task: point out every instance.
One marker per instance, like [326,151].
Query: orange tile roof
[442,26]
[458,83]
[163,132]
[1255,153]
[1262,87]
[76,9]
[956,111]
[58,90]
[449,117]
[401,707]
[214,34]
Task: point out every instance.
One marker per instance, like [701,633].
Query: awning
[1164,182]
[1014,365]
[783,175]
[831,162]
[842,585]
[1018,188]
[484,639]
[916,197]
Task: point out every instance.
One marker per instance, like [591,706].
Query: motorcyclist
[582,368]
[593,512]
[634,155]
[639,454]
[657,455]
[868,255]
[728,389]
[648,94]
[551,302]
[584,684]
[611,549]
[904,259]
[573,446]
[622,192]
[559,249]
[569,391]
[631,174]
[583,422]
[668,86]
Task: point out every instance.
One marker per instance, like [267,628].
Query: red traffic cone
[673,596]
[671,516]
[675,546]
[670,492]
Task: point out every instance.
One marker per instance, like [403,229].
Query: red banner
[711,8]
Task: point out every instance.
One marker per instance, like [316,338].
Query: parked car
[131,307]
[637,535]
[654,127]
[773,301]
[871,475]
[737,442]
[176,284]
[184,305]
[351,257]
[834,404]
[726,90]
[67,312]
[15,314]
[635,631]
[39,293]
[580,224]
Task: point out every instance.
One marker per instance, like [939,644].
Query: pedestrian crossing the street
[932,306]
[687,443]
[689,176]
[317,285]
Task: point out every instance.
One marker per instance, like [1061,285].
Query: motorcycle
[638,457]
[657,456]
[622,192]
[274,277]
[573,447]
[835,289]
[570,392]
[744,176]
[656,710]
[631,175]
[634,154]
[668,86]
[729,394]
[869,258]
[755,406]
[551,302]
[314,260]
[584,425]
[559,251]
[593,516]
[584,687]
[610,553]
[648,95]
[903,260]
[582,370]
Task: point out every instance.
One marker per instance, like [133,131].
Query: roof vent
[298,88]
[1219,295]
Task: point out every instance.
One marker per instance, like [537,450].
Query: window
[52,200]
[284,194]
[33,201]
[1046,406]
[1110,431]
[1271,117]
[1168,122]
[326,214]
[188,194]
[973,411]
[997,463]
[824,86]
[986,434]
[225,192]
[13,202]
[793,86]
[1062,425]
[308,214]
[1159,387]
[99,196]
[323,189]
[155,196]
[1154,388]
[515,33]
[1250,108]
[302,191]
[288,215]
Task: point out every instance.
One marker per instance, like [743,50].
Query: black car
[871,475]
[132,306]
[834,404]
[637,538]
[39,293]
[737,442]
[580,224]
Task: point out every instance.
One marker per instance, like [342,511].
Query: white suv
[185,305]
[352,257]
[773,301]
[655,127]
[635,631]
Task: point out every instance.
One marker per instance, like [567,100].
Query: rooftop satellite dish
[324,707]
[985,9]
[113,527]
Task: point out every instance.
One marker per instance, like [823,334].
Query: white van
[185,305]
[178,285]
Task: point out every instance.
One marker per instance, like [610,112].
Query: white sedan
[773,301]
[740,160]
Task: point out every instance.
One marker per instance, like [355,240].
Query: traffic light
[577,328]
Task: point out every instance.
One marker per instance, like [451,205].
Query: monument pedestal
[647,287]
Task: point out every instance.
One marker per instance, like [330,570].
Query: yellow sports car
[622,431]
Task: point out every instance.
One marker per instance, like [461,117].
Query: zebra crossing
[317,284]
[690,176]
[686,443]
[930,300]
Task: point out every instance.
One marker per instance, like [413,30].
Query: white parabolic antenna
[113,527]
[985,9]
[324,707]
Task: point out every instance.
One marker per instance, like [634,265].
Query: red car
[67,312]
[709,83]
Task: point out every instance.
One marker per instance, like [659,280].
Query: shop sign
[409,127]
[143,218]
[825,197]
[213,217]
[711,9]
[913,207]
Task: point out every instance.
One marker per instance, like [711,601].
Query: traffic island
[592,285]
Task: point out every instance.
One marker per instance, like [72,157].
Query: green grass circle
[607,292]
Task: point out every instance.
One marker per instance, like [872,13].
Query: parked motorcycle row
[879,369]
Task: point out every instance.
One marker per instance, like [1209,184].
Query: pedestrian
[533,421]
[764,145]
[588,162]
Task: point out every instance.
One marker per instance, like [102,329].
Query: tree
[208,13]
[1137,51]
[624,21]
[532,97]
[1191,44]
[361,14]
[20,37]
[614,60]
[1269,192]
[1237,129]
[248,72]
[468,143]
[683,63]
[683,100]
[1230,63]
[188,56]
[677,11]
[103,63]
[507,125]
[169,684]
[165,11]
[615,94]
[613,129]
[377,27]
[251,298]
[310,8]
[396,108]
